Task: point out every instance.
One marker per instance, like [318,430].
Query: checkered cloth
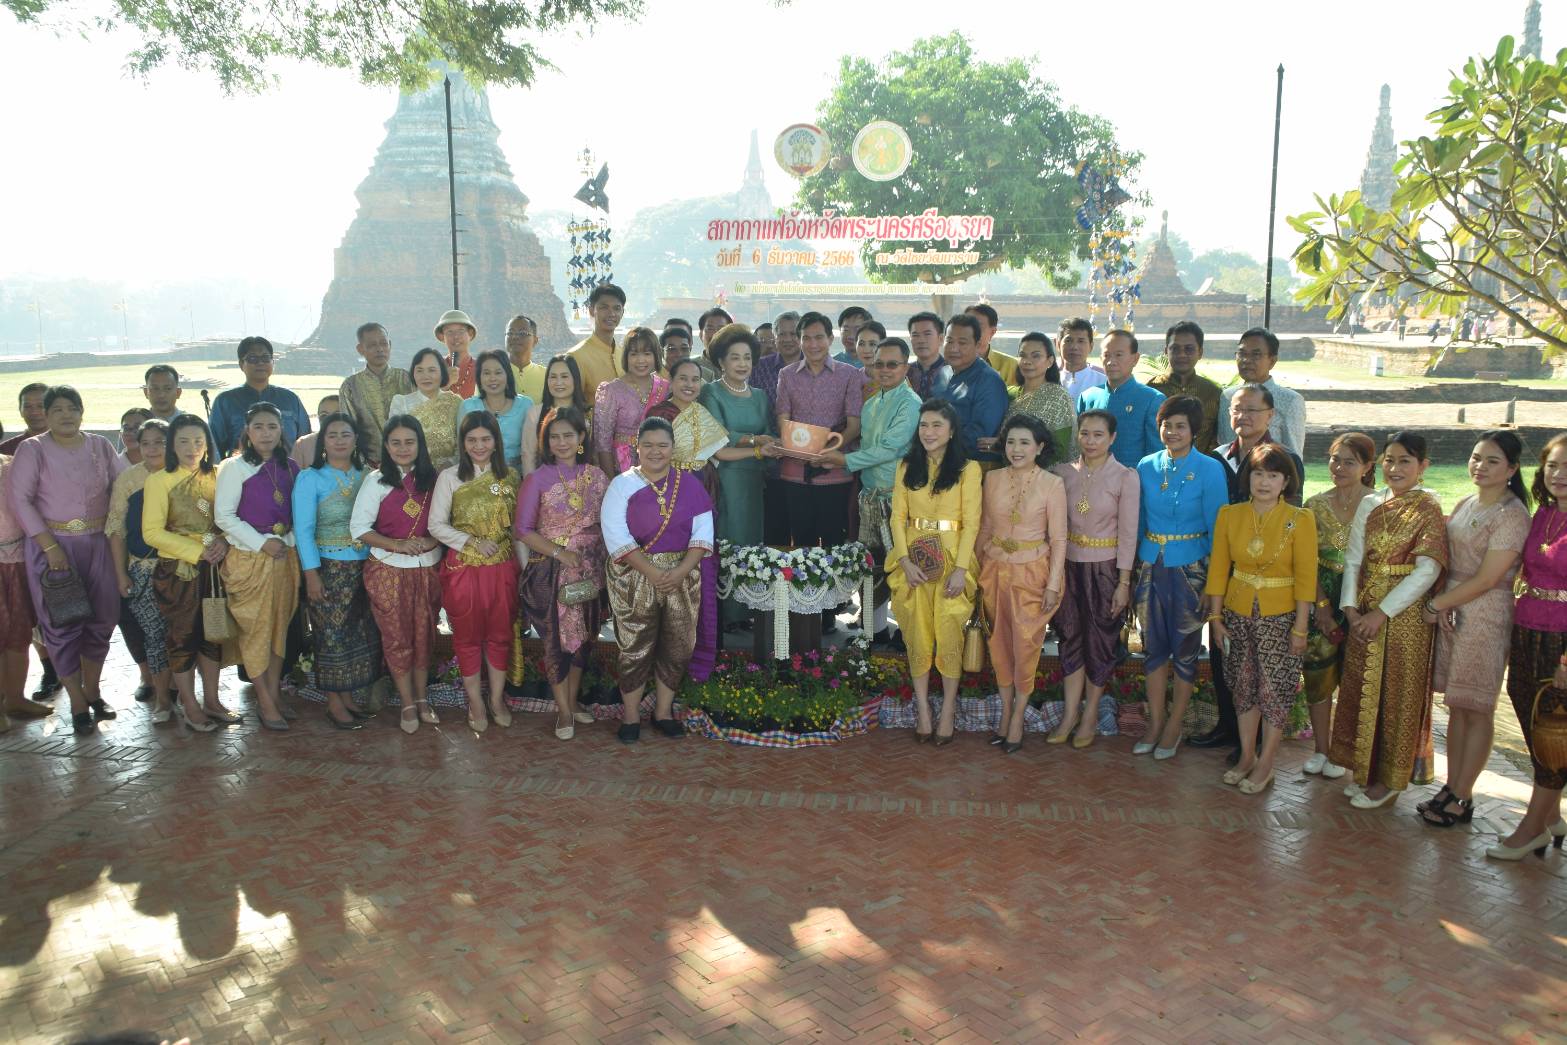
[858,721]
[984,715]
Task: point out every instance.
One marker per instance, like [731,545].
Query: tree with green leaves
[1480,209]
[989,138]
[492,41]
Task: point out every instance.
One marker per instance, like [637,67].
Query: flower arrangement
[844,564]
[808,693]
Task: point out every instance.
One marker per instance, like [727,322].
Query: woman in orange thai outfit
[1396,554]
[936,498]
[392,515]
[254,509]
[559,537]
[1262,577]
[1022,552]
[472,513]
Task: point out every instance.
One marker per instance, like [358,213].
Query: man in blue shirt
[228,409]
[975,390]
[1135,405]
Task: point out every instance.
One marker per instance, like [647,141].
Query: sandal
[1436,801]
[1441,816]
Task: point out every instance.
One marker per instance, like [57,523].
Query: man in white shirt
[1255,357]
[1075,339]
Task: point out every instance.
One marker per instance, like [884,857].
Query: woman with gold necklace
[658,527]
[1102,497]
[432,405]
[621,405]
[1261,581]
[347,641]
[472,512]
[1022,551]
[254,510]
[1352,465]
[558,536]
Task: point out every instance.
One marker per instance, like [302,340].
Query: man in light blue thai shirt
[1134,404]
[888,423]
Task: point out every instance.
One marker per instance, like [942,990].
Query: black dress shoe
[48,686]
[82,723]
[1213,738]
[144,692]
[670,727]
[629,732]
[352,723]
[101,711]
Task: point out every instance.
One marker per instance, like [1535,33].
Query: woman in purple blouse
[58,486]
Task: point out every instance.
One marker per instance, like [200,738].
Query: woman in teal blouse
[496,392]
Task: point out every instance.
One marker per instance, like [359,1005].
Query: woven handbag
[1548,733]
[65,597]
[976,650]
[217,623]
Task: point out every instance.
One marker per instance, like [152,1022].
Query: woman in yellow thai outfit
[436,409]
[1261,579]
[1396,554]
[177,519]
[254,509]
[1022,552]
[471,513]
[1352,463]
[936,499]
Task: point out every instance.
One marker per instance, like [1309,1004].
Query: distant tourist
[522,336]
[304,451]
[1075,342]
[999,361]
[786,333]
[1255,357]
[849,322]
[30,401]
[1182,352]
[161,386]
[231,406]
[1135,405]
[976,392]
[595,354]
[366,395]
[456,331]
[928,371]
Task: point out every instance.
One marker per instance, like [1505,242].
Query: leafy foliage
[807,693]
[1480,211]
[989,138]
[494,41]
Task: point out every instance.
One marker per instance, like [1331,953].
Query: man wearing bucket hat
[456,331]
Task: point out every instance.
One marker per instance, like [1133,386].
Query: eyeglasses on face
[254,360]
[888,364]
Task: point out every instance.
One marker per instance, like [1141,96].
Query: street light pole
[1273,204]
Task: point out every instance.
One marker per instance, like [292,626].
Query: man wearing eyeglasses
[522,335]
[228,409]
[1255,358]
[888,422]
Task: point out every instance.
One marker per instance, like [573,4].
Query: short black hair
[1185,326]
[1189,407]
[365,328]
[253,341]
[927,317]
[992,317]
[701,321]
[814,318]
[606,290]
[641,339]
[676,321]
[673,331]
[160,368]
[440,357]
[29,389]
[898,343]
[1098,415]
[1268,336]
[57,392]
[761,327]
[1078,325]
[967,322]
[730,336]
[874,327]
[854,312]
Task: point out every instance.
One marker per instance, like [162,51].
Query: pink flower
[788,573]
[816,673]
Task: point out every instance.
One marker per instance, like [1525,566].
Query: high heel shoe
[1361,801]
[501,715]
[478,723]
[921,738]
[1012,747]
[943,740]
[206,726]
[1142,747]
[427,713]
[1079,743]
[1537,847]
[1558,831]
[1161,754]
[408,720]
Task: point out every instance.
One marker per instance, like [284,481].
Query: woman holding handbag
[1022,552]
[559,537]
[59,486]
[254,509]
[135,559]
[392,516]
[472,513]
[178,521]
[936,498]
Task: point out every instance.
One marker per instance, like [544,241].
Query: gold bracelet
[1216,616]
[1298,634]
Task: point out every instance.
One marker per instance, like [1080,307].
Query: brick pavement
[328,886]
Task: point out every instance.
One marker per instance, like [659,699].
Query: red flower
[788,573]
[816,673]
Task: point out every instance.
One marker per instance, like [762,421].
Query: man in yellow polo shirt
[595,354]
[522,333]
[1000,362]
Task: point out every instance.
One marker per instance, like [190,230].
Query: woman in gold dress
[436,409]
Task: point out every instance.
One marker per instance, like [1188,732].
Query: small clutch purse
[575,593]
[928,554]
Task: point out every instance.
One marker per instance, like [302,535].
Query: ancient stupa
[394,264]
[1160,279]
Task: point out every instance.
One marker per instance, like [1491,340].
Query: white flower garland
[798,580]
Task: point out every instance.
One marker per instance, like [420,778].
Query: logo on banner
[802,149]
[882,151]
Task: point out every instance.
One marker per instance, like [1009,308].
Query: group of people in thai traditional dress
[558,497]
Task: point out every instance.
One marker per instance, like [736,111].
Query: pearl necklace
[744,389]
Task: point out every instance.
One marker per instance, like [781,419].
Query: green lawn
[1448,482]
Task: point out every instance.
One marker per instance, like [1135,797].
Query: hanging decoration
[882,151]
[802,149]
[591,261]
[1112,275]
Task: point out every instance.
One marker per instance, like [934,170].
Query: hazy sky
[113,178]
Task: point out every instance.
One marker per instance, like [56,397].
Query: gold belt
[75,525]
[1388,569]
[665,559]
[337,545]
[942,525]
[1162,539]
[1545,594]
[1264,582]
[1084,541]
[1010,546]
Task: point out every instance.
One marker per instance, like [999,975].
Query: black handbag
[65,597]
